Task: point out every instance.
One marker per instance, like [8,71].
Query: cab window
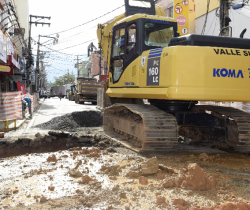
[131,41]
[118,54]
[158,35]
[118,43]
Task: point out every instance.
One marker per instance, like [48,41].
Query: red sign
[181,20]
[20,87]
[178,9]
[185,2]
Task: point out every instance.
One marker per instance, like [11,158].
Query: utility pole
[41,74]
[38,54]
[68,76]
[37,63]
[29,45]
[224,17]
[100,65]
[77,65]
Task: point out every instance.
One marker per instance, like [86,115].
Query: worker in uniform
[27,104]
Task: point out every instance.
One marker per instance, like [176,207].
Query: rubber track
[160,129]
[243,123]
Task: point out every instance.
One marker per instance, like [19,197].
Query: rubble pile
[73,121]
[194,179]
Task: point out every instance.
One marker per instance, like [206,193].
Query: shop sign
[4,68]
[14,62]
[10,47]
[3,53]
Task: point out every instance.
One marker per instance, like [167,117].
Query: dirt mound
[71,122]
[194,179]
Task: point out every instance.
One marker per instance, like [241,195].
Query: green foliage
[65,79]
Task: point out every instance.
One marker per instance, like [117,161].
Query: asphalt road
[49,109]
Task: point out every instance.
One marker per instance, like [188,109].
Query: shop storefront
[9,66]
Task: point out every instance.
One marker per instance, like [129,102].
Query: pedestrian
[27,104]
[60,95]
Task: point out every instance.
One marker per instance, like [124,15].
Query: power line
[75,35]
[58,50]
[205,23]
[88,21]
[78,44]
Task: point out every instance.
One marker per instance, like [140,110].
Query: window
[118,45]
[158,35]
[118,53]
[131,42]
[136,3]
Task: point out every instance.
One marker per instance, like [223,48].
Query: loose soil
[90,178]
[100,174]
[74,121]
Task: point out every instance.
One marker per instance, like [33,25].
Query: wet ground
[87,178]
[105,175]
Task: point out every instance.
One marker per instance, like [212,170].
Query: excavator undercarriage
[146,128]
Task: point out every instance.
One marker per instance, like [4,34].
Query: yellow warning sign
[181,14]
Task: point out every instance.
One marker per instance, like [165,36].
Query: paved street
[49,109]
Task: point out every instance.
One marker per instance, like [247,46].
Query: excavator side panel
[187,73]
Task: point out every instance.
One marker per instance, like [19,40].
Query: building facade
[238,18]
[93,66]
[208,20]
[13,37]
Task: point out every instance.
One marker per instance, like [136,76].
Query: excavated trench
[77,129]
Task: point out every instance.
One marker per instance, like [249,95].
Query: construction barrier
[11,105]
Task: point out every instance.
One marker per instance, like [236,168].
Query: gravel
[73,121]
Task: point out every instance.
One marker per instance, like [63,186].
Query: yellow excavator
[147,59]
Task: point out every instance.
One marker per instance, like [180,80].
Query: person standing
[60,95]
[28,101]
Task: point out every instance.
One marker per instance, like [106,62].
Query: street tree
[64,79]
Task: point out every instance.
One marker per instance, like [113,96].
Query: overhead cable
[88,21]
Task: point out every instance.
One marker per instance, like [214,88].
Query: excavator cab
[132,38]
[138,33]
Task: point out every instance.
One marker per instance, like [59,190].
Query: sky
[64,16]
